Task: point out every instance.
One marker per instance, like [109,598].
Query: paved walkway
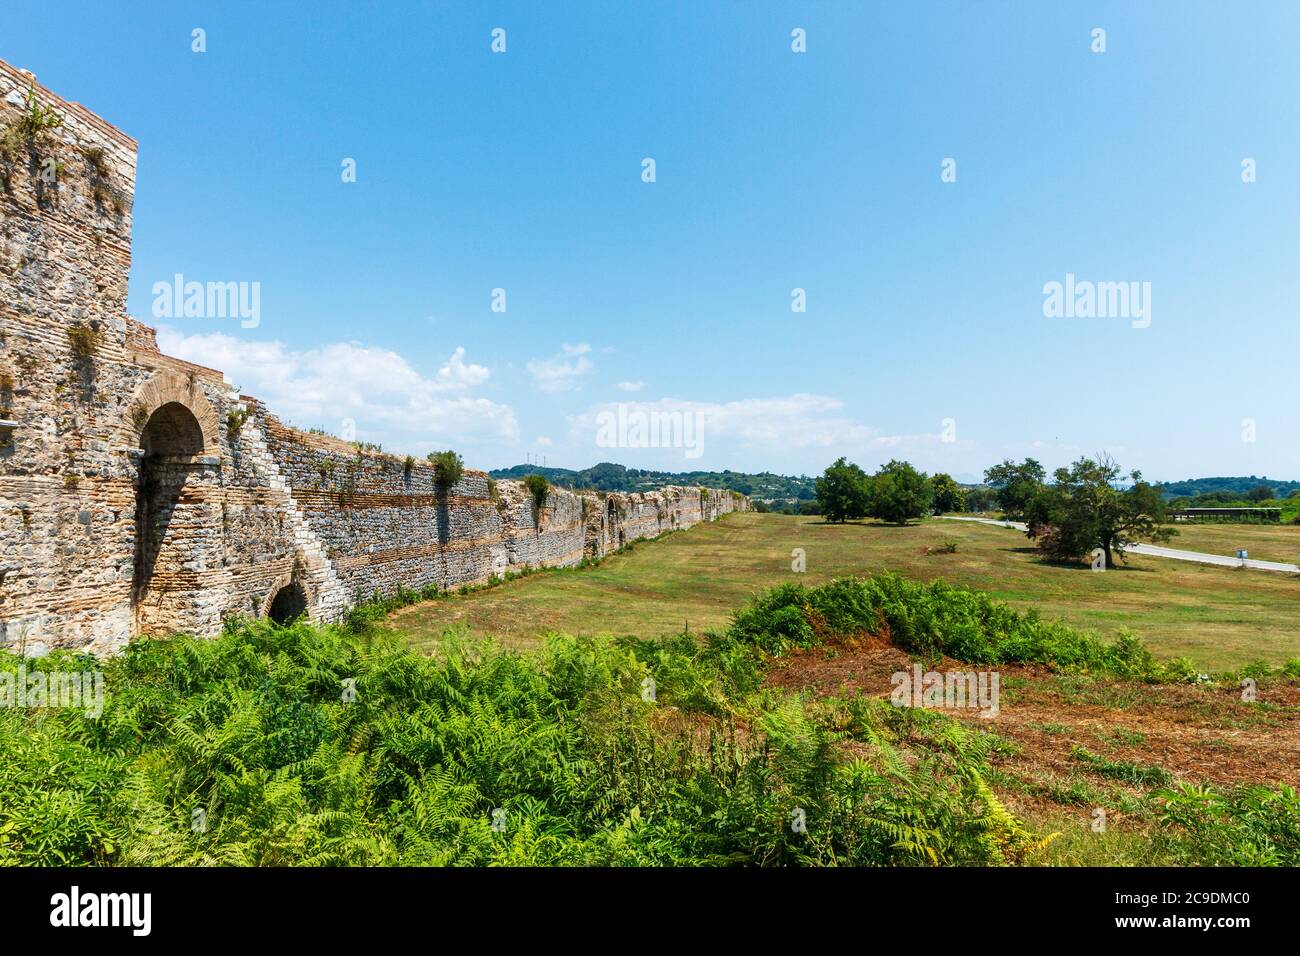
[1157,551]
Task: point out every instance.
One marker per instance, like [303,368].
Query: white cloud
[772,424]
[561,372]
[631,386]
[544,441]
[456,374]
[377,388]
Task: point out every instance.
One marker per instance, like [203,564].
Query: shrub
[235,419]
[934,619]
[29,130]
[447,468]
[540,489]
[96,160]
[84,340]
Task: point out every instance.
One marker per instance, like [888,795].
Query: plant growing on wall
[27,132]
[540,489]
[352,473]
[447,468]
[101,186]
[6,396]
[139,416]
[235,419]
[84,340]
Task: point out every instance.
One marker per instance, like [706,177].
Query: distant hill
[608,476]
[1236,487]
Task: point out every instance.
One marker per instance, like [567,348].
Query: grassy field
[1219,617]
[1268,542]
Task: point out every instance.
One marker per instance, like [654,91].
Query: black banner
[334,906]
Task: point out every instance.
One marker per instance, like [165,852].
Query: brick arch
[285,580]
[164,388]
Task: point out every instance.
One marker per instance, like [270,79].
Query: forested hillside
[607,476]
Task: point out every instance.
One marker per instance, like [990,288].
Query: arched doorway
[170,545]
[289,604]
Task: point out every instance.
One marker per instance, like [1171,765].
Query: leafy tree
[1083,509]
[448,468]
[900,493]
[843,491]
[1259,493]
[1015,485]
[981,498]
[948,495]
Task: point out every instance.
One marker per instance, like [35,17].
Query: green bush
[540,489]
[448,468]
[934,619]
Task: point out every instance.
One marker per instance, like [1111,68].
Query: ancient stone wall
[139,495]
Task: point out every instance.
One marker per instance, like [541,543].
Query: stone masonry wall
[131,504]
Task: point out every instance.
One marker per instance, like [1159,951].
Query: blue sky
[775,170]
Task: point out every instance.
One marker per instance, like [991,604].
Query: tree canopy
[948,495]
[843,491]
[1015,485]
[899,493]
[1084,509]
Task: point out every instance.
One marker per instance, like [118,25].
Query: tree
[842,491]
[948,495]
[1259,493]
[1083,509]
[1015,485]
[900,493]
[981,498]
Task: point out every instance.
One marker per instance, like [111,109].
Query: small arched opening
[289,604]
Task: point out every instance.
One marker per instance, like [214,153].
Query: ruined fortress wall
[139,495]
[383,524]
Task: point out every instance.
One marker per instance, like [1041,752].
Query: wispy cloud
[560,372]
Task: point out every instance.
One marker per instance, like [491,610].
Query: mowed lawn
[1268,542]
[1219,617]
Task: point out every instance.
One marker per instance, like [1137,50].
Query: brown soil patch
[1197,733]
